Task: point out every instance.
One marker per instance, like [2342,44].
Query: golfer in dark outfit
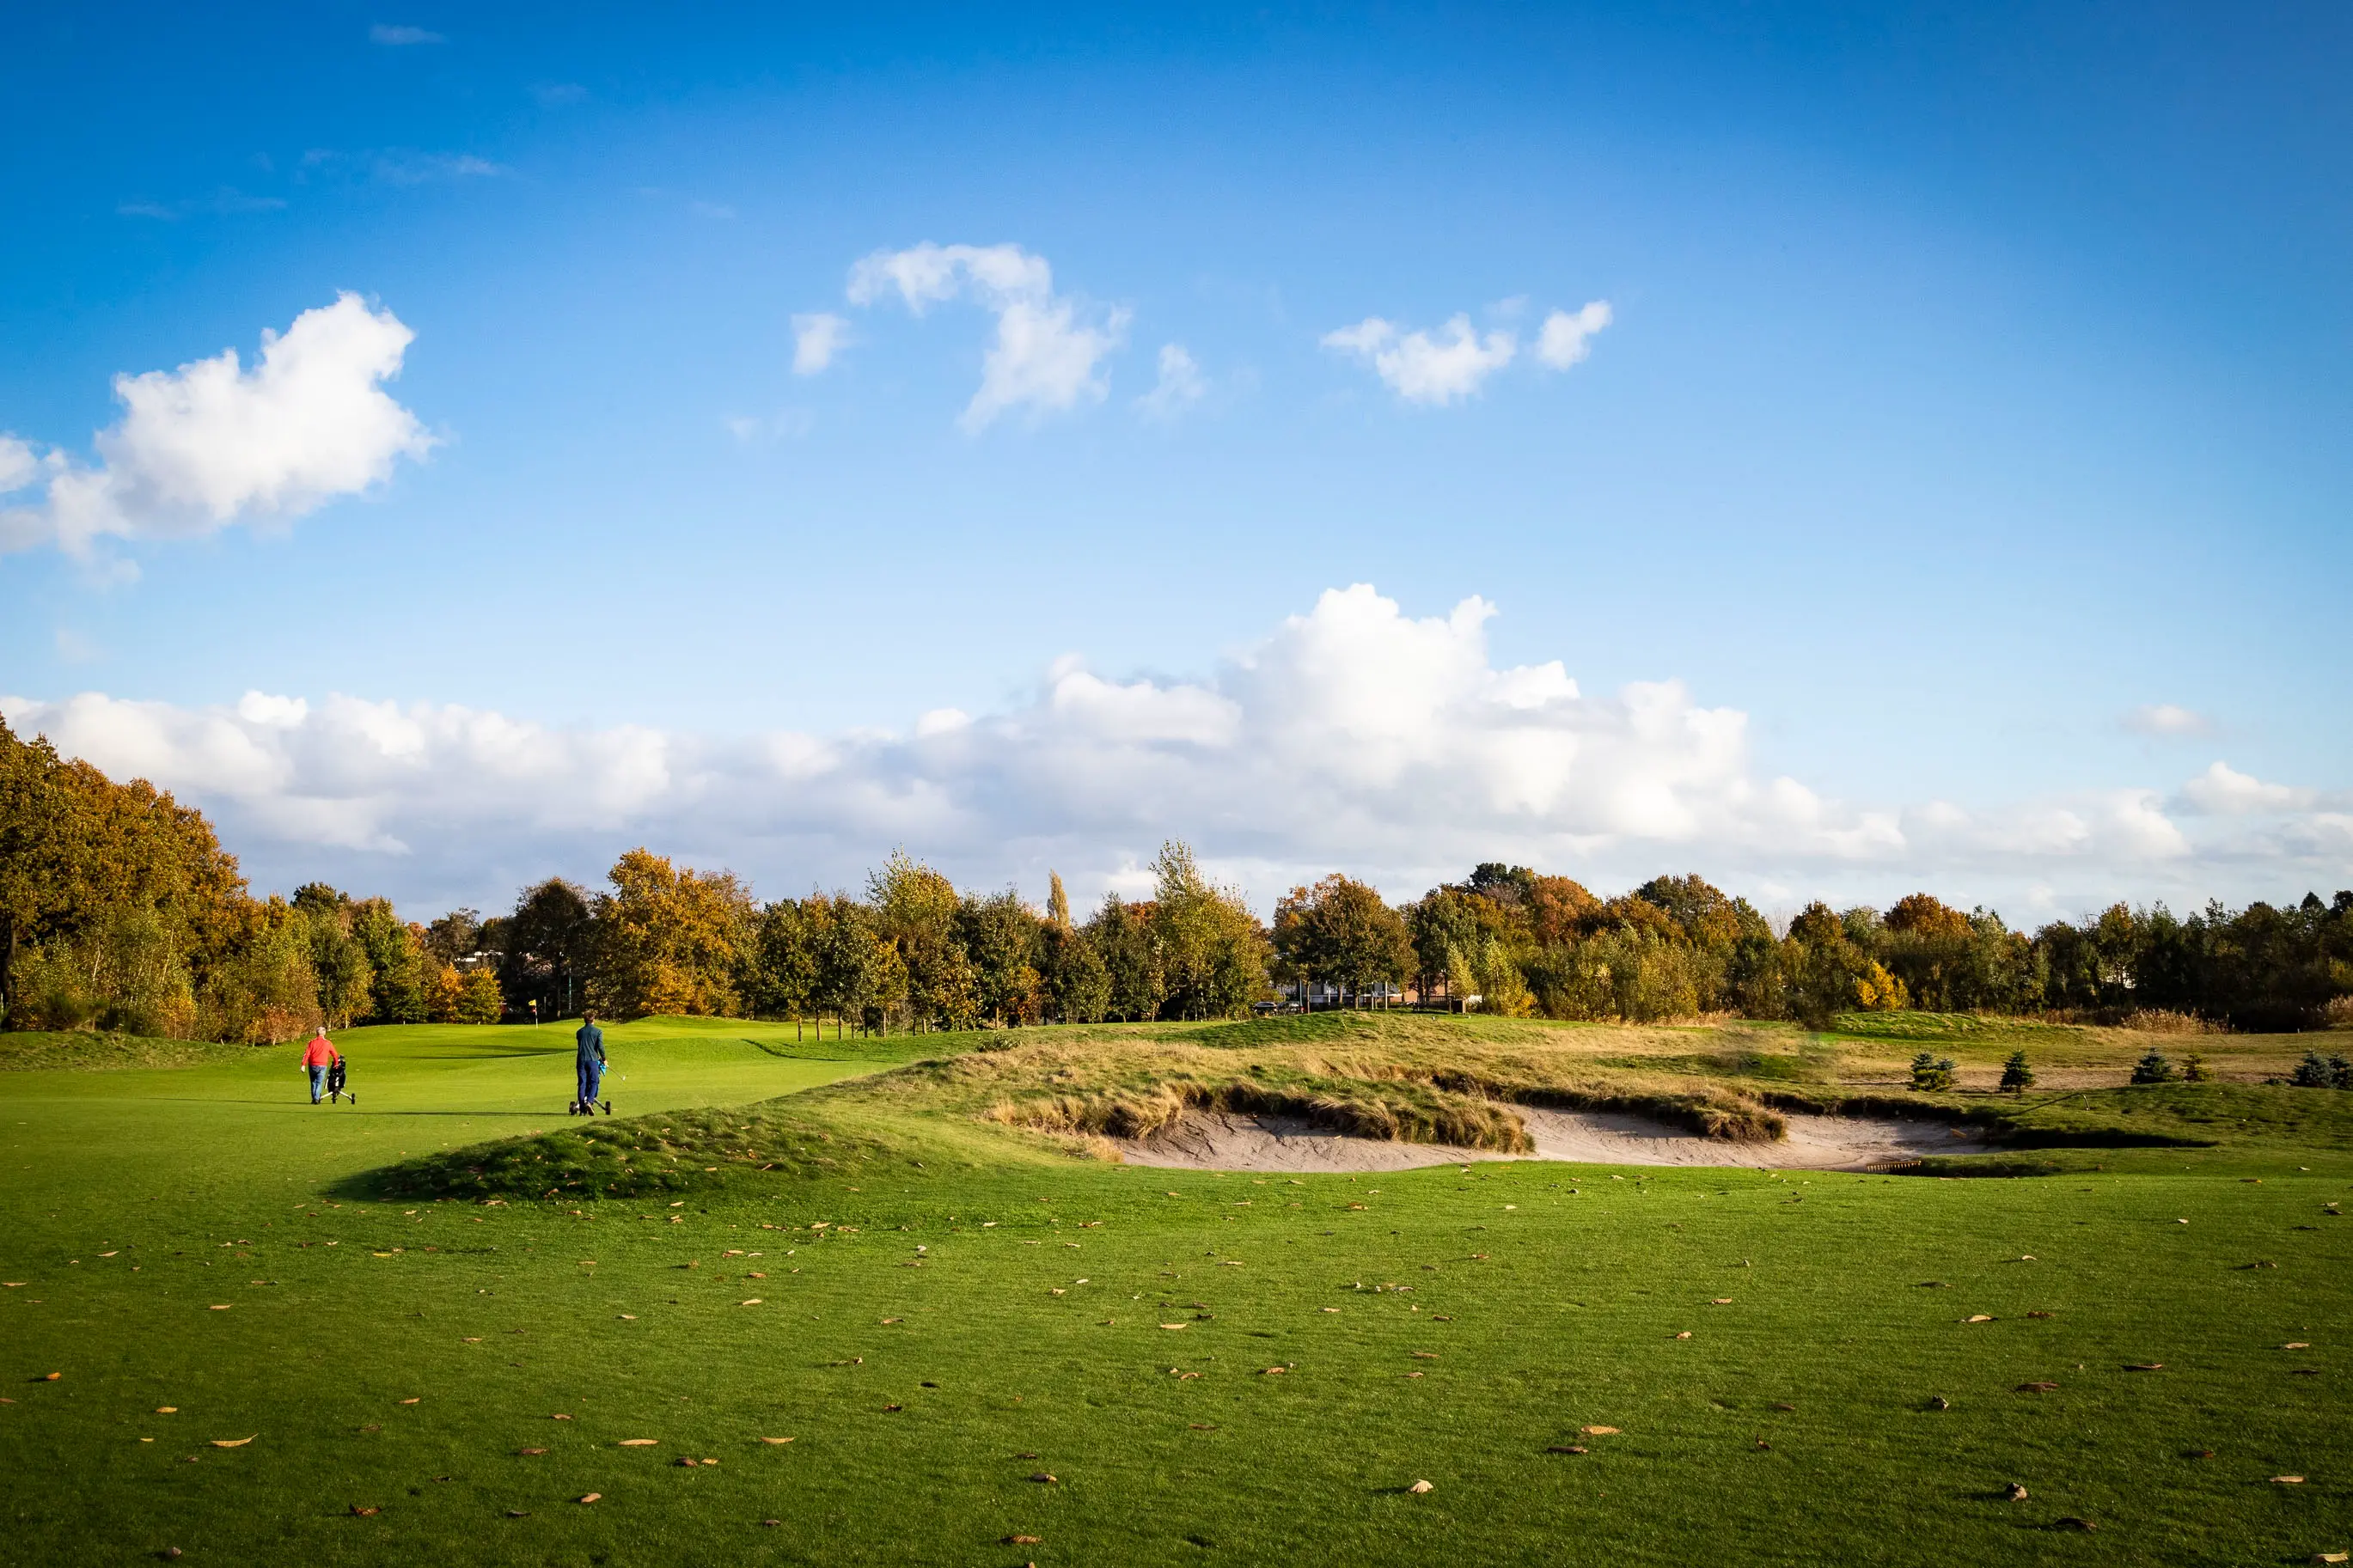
[591,1059]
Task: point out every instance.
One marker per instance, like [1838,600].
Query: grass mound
[93,1050]
[641,1156]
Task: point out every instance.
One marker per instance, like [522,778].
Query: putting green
[934,1330]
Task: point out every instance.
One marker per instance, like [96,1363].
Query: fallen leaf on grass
[233,1442]
[2144,1366]
[638,1442]
[1419,1487]
[2036,1387]
[2330,1557]
[531,1451]
[1025,1540]
[559,1418]
[167,1410]
[1721,1301]
[591,1496]
[223,1307]
[2015,1491]
[1568,1448]
[1274,1372]
[408,1402]
[1198,1426]
[627,1317]
[753,1302]
[1044,1479]
[775,1439]
[1979,1318]
[1597,1431]
[1425,1355]
[1175,1325]
[474,1340]
[2296,1345]
[2287,1480]
[1684,1335]
[888,1320]
[1783,1404]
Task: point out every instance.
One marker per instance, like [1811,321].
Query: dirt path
[1226,1141]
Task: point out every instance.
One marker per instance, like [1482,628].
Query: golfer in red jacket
[318,1057]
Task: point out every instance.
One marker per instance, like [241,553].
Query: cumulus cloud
[1180,387]
[1353,736]
[1423,368]
[1047,352]
[1566,339]
[816,339]
[2223,791]
[215,443]
[1454,362]
[2168,720]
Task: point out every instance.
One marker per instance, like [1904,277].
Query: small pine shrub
[2314,1072]
[2193,1069]
[2153,1068]
[2016,1075]
[1931,1075]
[2340,1073]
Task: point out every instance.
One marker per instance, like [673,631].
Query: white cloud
[2168,719]
[19,464]
[1047,352]
[1422,368]
[817,338]
[1353,735]
[1566,339]
[394,36]
[762,430]
[212,443]
[406,168]
[1180,387]
[2223,791]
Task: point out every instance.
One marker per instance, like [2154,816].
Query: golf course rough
[1639,1364]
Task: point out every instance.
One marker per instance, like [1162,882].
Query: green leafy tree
[546,947]
[1077,982]
[1212,948]
[1339,930]
[396,969]
[1126,938]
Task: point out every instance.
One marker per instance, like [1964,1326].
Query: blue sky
[1969,421]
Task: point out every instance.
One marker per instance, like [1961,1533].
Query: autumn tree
[669,941]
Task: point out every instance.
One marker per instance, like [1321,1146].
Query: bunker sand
[1231,1141]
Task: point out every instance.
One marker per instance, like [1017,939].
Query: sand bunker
[1229,1140]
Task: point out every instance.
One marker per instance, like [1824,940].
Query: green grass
[1547,1298]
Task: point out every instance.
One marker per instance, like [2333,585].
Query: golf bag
[335,1083]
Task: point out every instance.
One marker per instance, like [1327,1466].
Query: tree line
[119,909]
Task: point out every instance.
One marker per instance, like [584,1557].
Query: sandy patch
[1229,1140]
